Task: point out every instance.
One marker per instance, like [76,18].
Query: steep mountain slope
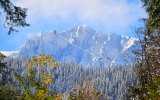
[82,45]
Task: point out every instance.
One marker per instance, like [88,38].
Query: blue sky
[117,16]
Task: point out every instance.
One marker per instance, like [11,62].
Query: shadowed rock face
[82,45]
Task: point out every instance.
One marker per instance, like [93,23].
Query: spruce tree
[148,62]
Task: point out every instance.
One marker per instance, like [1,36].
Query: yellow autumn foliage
[48,81]
[38,80]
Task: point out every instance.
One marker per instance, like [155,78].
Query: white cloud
[107,12]
[104,15]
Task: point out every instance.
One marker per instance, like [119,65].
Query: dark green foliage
[15,16]
[8,93]
[147,67]
[5,71]
[148,60]
[153,10]
[150,91]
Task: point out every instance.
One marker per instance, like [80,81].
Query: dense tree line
[109,80]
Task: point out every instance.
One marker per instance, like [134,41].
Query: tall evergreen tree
[148,63]
[152,8]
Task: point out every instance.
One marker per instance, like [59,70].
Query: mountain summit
[80,44]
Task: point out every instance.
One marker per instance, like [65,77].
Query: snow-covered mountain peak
[80,28]
[84,26]
[74,27]
[113,34]
[80,44]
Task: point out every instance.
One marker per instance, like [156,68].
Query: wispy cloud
[110,12]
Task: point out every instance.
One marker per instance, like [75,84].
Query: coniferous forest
[112,80]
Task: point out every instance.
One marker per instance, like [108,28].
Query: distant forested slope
[111,80]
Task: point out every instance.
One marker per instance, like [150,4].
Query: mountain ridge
[80,44]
